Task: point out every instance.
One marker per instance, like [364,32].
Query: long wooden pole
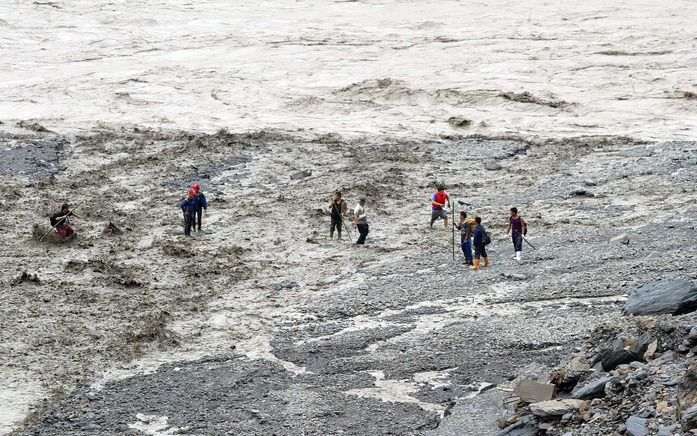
[60,220]
[452,226]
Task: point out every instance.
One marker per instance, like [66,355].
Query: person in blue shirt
[480,244]
[200,203]
[188,206]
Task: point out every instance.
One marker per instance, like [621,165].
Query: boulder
[526,426]
[594,389]
[581,192]
[531,391]
[459,122]
[301,175]
[674,296]
[554,408]
[621,239]
[493,166]
[636,426]
[689,418]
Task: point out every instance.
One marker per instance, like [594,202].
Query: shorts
[438,213]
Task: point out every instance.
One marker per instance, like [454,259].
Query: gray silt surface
[387,348]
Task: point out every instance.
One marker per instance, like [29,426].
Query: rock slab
[636,426]
[552,408]
[674,296]
[593,390]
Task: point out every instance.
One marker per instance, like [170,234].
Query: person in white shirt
[361,220]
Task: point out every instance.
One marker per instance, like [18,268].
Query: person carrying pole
[466,228]
[338,209]
[517,228]
[60,222]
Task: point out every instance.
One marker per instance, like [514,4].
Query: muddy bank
[394,331]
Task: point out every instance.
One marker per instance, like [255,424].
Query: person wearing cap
[361,220]
[200,204]
[188,206]
[60,221]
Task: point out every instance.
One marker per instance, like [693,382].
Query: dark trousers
[480,251]
[518,241]
[363,231]
[196,218]
[336,224]
[188,223]
[467,251]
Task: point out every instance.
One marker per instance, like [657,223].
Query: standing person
[438,202]
[480,238]
[361,220]
[61,222]
[338,209]
[518,229]
[200,203]
[466,233]
[188,206]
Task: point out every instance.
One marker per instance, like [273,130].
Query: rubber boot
[517,255]
[486,263]
[476,265]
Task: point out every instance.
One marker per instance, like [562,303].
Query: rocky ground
[262,325]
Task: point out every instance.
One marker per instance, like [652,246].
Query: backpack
[473,225]
[487,238]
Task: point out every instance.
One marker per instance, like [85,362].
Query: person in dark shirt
[60,221]
[480,245]
[200,203]
[338,209]
[517,228]
[188,206]
[465,237]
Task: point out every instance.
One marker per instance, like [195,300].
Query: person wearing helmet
[200,203]
[187,206]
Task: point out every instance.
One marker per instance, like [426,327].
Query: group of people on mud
[472,231]
[192,207]
[339,210]
[473,234]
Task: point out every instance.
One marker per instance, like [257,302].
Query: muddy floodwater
[582,116]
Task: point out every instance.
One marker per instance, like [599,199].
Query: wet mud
[261,324]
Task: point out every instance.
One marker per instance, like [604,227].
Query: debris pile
[637,377]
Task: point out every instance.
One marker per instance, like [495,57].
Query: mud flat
[261,325]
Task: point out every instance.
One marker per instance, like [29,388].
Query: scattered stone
[589,182]
[674,296]
[636,426]
[301,175]
[556,407]
[493,166]
[611,359]
[533,392]
[581,192]
[111,229]
[621,239]
[651,350]
[667,430]
[459,122]
[689,418]
[593,390]
[26,277]
[526,426]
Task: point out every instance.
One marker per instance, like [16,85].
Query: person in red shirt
[438,202]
